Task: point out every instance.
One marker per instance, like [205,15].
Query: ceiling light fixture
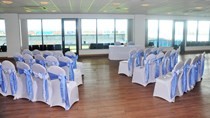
[53,11]
[144,5]
[7,2]
[43,2]
[198,7]
[169,13]
[28,10]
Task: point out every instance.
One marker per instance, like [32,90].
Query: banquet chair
[18,57]
[8,78]
[24,81]
[144,75]
[28,59]
[51,61]
[183,83]
[35,52]
[27,51]
[62,92]
[126,66]
[71,73]
[159,64]
[166,86]
[47,53]
[57,54]
[147,51]
[193,73]
[40,85]
[39,59]
[74,57]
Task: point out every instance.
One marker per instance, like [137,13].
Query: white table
[120,52]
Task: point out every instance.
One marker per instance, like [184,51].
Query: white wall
[12,34]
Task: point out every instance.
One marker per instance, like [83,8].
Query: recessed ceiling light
[53,10]
[125,8]
[7,2]
[28,10]
[116,4]
[169,13]
[43,2]
[198,7]
[144,5]
[105,11]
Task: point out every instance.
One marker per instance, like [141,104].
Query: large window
[88,32]
[34,32]
[44,32]
[3,41]
[99,33]
[165,33]
[121,30]
[152,31]
[191,30]
[203,30]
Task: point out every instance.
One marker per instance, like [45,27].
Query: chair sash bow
[74,58]
[2,82]
[71,70]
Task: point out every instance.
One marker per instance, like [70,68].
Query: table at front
[120,52]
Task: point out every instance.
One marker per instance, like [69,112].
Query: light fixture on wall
[7,2]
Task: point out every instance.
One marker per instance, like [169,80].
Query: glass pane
[165,33]
[105,29]
[179,32]
[122,30]
[34,32]
[88,32]
[70,34]
[152,35]
[52,31]
[203,31]
[191,30]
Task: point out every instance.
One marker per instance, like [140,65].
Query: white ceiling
[156,7]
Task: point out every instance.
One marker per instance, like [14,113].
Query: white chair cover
[126,67]
[47,53]
[8,79]
[144,75]
[27,51]
[18,57]
[166,86]
[40,85]
[36,52]
[61,92]
[24,81]
[74,57]
[40,60]
[51,61]
[57,54]
[28,59]
[71,73]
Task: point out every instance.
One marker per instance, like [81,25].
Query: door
[70,35]
[179,35]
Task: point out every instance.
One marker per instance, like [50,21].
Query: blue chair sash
[31,62]
[42,62]
[71,70]
[74,58]
[45,55]
[2,82]
[139,56]
[174,84]
[51,63]
[171,64]
[193,75]
[202,66]
[29,85]
[184,77]
[13,81]
[164,67]
[63,88]
[157,66]
[18,59]
[44,78]
[147,69]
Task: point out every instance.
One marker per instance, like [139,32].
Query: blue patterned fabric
[157,66]
[147,69]
[29,86]
[44,78]
[41,62]
[139,56]
[74,59]
[13,82]
[165,67]
[18,59]
[71,70]
[202,66]
[63,88]
[174,84]
[2,82]
[184,77]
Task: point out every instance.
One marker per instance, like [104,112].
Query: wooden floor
[105,94]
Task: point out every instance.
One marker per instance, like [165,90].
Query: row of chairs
[182,79]
[37,83]
[45,47]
